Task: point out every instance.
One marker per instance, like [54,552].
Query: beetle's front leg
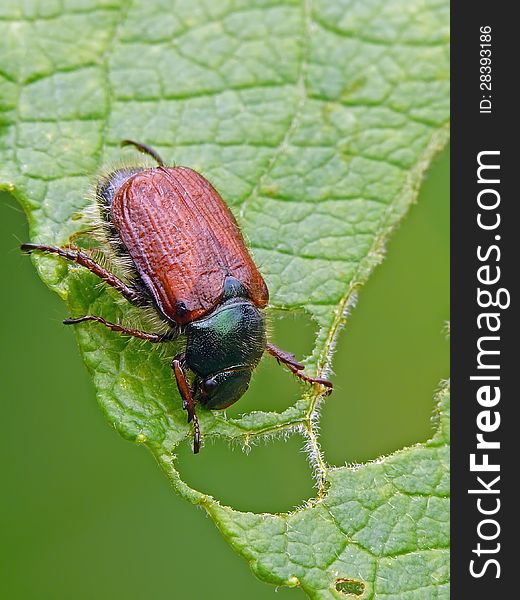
[188,403]
[289,360]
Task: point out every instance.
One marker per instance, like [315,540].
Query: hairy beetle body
[190,263]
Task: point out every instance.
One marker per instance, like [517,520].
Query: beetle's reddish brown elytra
[189,262]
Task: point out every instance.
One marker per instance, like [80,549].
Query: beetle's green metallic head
[222,389]
[224,348]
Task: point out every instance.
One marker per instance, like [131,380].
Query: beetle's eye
[209,385]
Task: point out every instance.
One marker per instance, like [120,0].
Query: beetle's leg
[82,258]
[188,403]
[155,338]
[289,360]
[145,149]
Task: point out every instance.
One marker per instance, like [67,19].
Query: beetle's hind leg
[80,257]
[289,360]
[155,338]
[188,403]
[145,149]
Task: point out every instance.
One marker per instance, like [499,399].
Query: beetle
[189,262]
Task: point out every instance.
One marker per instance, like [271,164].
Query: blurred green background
[84,514]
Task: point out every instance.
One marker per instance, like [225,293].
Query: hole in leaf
[350,587]
[274,476]
[393,352]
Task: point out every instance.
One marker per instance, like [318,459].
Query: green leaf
[381,530]
[316,121]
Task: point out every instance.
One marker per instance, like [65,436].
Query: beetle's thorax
[233,335]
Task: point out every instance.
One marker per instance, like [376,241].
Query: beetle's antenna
[145,149]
